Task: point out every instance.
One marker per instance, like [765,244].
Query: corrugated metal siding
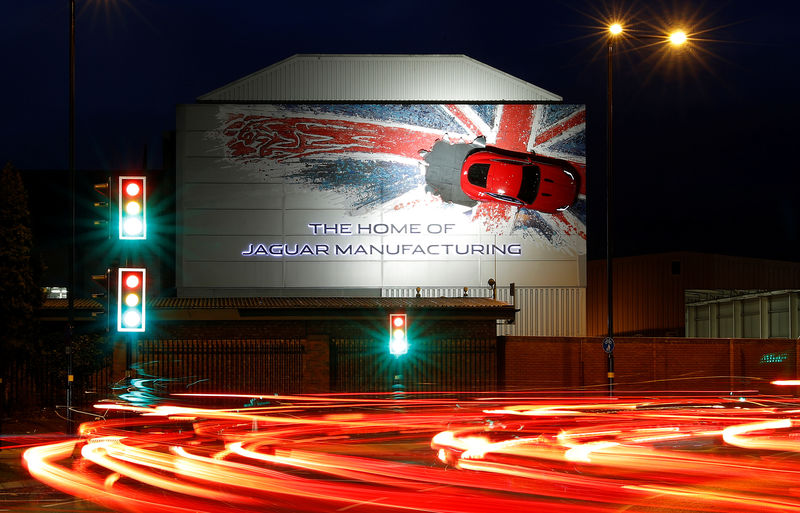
[543,311]
[765,315]
[649,298]
[554,312]
[444,78]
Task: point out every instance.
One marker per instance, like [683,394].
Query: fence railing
[364,365]
[270,366]
[42,382]
[252,366]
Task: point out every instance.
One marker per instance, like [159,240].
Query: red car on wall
[520,179]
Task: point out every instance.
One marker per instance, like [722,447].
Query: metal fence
[364,365]
[42,383]
[260,366]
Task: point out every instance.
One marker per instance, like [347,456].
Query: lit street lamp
[677,38]
[615,31]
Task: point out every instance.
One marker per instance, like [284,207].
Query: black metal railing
[365,365]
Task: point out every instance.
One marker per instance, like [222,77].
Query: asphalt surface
[19,492]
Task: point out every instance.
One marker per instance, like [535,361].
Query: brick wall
[559,363]
[316,336]
[650,363]
[419,327]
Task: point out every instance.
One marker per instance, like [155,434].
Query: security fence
[40,381]
[261,366]
[363,365]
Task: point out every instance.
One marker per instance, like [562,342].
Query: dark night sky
[704,139]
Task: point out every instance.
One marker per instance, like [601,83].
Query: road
[432,452]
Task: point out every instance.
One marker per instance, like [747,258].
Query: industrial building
[338,175]
[303,204]
[696,295]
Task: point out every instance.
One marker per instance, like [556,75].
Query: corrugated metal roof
[299,303]
[380,78]
[343,308]
[80,304]
[324,303]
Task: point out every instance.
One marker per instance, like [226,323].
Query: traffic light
[104,221]
[398,334]
[131,299]
[132,207]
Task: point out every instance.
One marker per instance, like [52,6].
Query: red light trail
[436,452]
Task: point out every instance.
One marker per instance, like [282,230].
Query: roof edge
[208,97]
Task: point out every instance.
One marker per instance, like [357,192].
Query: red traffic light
[398,336]
[130,299]
[132,207]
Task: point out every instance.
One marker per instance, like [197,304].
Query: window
[530,183]
[478,174]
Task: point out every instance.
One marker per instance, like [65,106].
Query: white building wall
[225,204]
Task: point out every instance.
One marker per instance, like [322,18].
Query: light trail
[439,453]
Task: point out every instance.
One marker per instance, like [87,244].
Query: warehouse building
[696,295]
[315,198]
[338,176]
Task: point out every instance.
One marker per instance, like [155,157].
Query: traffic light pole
[71,284]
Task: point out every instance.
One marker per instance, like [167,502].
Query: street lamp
[615,31]
[677,38]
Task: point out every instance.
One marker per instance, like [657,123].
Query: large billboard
[312,198]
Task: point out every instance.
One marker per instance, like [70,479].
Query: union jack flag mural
[389,156]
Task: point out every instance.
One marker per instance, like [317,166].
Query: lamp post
[608,344]
[615,30]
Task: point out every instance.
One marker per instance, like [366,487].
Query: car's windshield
[530,184]
[478,174]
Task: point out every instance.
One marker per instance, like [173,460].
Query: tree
[21,295]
